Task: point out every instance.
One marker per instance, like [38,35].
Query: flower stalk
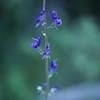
[51,65]
[46,60]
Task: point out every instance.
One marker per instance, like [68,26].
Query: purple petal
[58,22]
[46,52]
[54,89]
[40,19]
[36,43]
[54,15]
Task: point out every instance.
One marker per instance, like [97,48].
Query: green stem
[44,4]
[46,60]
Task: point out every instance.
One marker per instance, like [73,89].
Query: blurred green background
[76,45]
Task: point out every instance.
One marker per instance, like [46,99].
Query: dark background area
[76,45]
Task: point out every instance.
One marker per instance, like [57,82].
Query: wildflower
[42,88]
[47,52]
[57,21]
[54,15]
[36,43]
[54,90]
[53,66]
[40,19]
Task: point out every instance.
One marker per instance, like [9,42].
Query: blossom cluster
[40,21]
[46,52]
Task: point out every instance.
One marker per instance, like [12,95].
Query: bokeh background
[76,45]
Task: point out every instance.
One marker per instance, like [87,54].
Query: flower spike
[51,65]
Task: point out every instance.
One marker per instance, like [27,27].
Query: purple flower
[41,88]
[41,18]
[44,86]
[54,89]
[42,13]
[57,21]
[53,66]
[47,52]
[54,15]
[36,43]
